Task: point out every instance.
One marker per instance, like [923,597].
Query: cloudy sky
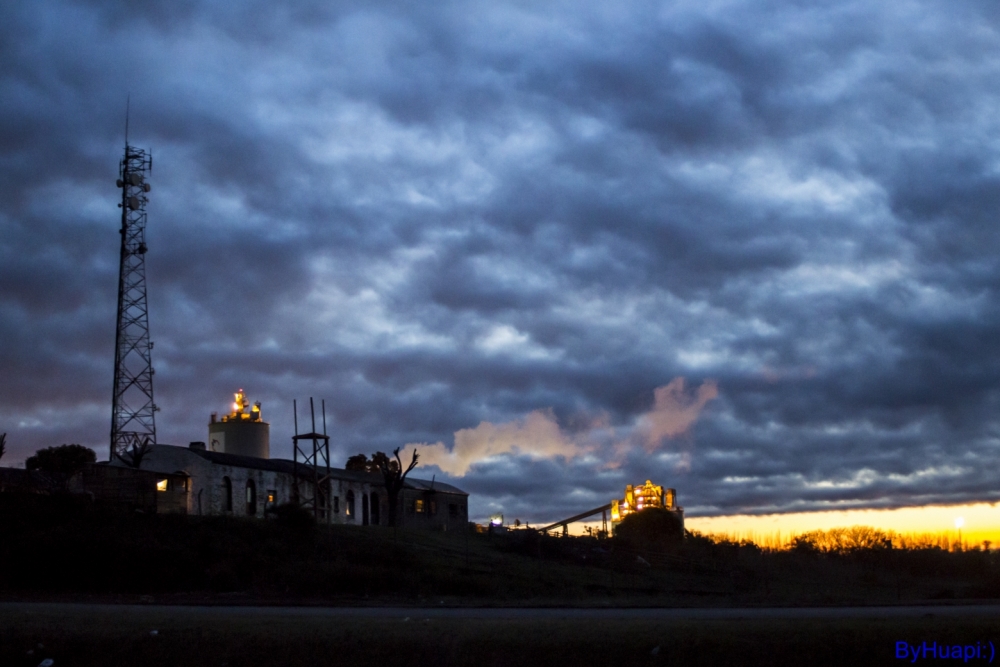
[744,249]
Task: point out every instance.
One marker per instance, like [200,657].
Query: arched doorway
[349,506]
[375,509]
[364,510]
[251,498]
[227,494]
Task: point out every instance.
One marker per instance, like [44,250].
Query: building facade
[203,482]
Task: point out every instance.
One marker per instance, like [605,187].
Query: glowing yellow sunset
[974,523]
[981,521]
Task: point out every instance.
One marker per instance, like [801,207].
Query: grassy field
[85,637]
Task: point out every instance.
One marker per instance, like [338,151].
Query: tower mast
[133,423]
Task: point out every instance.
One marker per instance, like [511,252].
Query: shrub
[63,460]
[653,528]
[294,517]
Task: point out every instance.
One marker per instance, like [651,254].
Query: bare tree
[133,459]
[394,478]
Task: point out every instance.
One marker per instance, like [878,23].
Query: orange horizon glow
[979,522]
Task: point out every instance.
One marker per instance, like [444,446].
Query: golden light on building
[643,496]
[243,431]
[240,406]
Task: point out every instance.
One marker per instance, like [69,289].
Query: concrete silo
[240,432]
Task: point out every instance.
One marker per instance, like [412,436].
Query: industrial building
[234,475]
[636,498]
[642,496]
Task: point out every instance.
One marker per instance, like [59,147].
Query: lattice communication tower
[133,422]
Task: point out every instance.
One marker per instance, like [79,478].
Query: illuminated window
[418,506]
[349,505]
[161,485]
[272,496]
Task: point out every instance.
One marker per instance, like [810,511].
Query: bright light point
[959,522]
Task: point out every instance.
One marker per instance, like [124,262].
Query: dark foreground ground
[155,636]
[283,591]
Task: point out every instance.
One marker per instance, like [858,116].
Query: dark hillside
[61,547]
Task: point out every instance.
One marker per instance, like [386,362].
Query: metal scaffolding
[133,423]
[312,468]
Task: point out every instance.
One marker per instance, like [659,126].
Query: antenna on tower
[133,412]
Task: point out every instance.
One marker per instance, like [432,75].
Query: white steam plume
[674,411]
[539,435]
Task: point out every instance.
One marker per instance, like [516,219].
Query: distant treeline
[853,538]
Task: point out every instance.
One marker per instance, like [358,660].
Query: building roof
[433,485]
[286,466]
[240,461]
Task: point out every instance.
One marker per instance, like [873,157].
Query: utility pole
[133,421]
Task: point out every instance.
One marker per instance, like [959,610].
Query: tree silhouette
[842,540]
[394,477]
[133,459]
[3,444]
[360,463]
[61,460]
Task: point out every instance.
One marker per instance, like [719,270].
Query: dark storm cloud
[472,219]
